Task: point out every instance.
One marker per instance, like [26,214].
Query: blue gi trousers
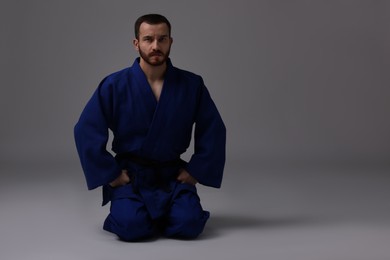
[172,212]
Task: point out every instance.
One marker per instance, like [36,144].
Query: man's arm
[91,136]
[207,162]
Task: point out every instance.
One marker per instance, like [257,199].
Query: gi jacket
[157,130]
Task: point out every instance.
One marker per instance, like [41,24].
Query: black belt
[145,162]
[156,180]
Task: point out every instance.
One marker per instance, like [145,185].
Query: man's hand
[122,180]
[185,177]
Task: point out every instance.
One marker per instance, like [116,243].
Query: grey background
[303,87]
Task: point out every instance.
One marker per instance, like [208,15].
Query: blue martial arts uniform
[149,137]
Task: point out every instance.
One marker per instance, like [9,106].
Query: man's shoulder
[188,75]
[118,75]
[115,81]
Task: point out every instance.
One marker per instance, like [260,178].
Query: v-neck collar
[144,84]
[160,108]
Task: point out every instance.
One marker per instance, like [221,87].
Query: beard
[151,57]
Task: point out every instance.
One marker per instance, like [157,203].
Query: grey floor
[270,213]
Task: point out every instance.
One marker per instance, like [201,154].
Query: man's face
[153,43]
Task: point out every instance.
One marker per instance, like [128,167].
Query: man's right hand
[122,180]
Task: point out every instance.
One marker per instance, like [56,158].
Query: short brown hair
[151,19]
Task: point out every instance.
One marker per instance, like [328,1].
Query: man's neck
[153,73]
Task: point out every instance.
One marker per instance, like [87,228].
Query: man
[151,108]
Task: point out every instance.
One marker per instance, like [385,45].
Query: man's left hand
[185,177]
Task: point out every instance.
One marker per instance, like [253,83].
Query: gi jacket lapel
[146,93]
[164,109]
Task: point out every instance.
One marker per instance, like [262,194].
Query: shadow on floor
[222,224]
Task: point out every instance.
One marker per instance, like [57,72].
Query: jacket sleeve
[91,136]
[208,161]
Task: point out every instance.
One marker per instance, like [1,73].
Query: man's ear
[136,44]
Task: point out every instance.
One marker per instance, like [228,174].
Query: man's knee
[187,218]
[188,226]
[134,229]
[130,223]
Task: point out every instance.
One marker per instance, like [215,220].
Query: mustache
[156,53]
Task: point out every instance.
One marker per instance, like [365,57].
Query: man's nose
[155,45]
